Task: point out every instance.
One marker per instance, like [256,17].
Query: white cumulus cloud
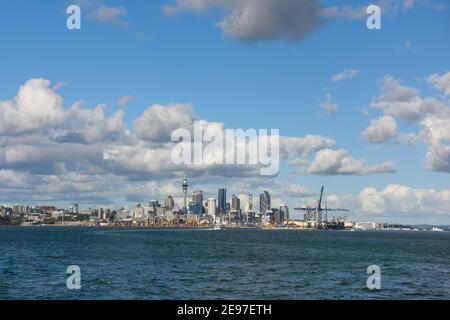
[340,162]
[442,82]
[295,146]
[402,199]
[36,106]
[297,191]
[404,102]
[438,158]
[380,130]
[158,122]
[431,114]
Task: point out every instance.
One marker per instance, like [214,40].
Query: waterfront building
[212,207]
[349,225]
[266,217]
[222,200]
[277,217]
[235,203]
[235,210]
[197,196]
[249,205]
[3,211]
[284,212]
[160,212]
[138,212]
[57,214]
[169,203]
[365,225]
[264,202]
[123,214]
[18,209]
[100,213]
[249,212]
[195,207]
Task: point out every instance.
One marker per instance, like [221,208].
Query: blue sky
[276,83]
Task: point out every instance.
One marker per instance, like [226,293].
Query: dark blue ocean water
[227,264]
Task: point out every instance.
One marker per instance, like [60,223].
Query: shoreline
[210,228]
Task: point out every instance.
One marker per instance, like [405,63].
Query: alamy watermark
[374,20]
[74,279]
[374,280]
[73,21]
[206,145]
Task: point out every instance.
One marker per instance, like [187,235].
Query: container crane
[318,213]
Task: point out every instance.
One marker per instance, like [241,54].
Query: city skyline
[313,214]
[86,115]
[196,213]
[202,214]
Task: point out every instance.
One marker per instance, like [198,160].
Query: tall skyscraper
[264,202]
[235,210]
[222,200]
[249,205]
[249,216]
[197,196]
[197,202]
[212,207]
[277,217]
[284,213]
[235,203]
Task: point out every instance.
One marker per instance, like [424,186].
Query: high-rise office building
[284,213]
[264,202]
[169,203]
[249,213]
[197,196]
[235,203]
[235,209]
[249,205]
[222,200]
[195,207]
[211,207]
[102,214]
[277,217]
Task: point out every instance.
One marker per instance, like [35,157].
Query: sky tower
[185,186]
